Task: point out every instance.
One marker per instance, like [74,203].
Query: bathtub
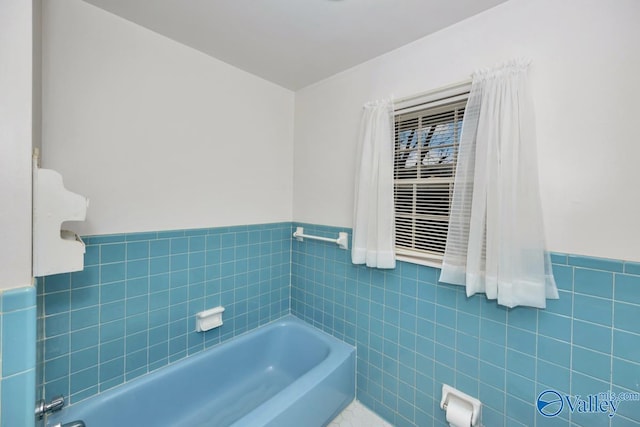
[286,373]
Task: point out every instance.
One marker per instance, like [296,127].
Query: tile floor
[357,415]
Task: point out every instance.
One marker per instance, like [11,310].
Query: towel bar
[342,241]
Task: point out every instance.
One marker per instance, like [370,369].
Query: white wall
[158,135]
[15,143]
[585,82]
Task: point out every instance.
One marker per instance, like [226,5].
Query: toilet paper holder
[476,405]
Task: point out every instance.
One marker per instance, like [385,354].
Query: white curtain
[496,239]
[373,219]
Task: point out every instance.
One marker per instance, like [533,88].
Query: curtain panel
[373,218]
[495,244]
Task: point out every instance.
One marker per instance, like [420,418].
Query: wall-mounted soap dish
[209,319]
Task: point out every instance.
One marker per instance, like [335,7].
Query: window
[427,137]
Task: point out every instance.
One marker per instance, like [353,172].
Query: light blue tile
[132,237]
[111,369]
[627,288]
[521,387]
[585,384]
[467,344]
[626,345]
[137,323]
[468,324]
[138,268]
[593,282]
[467,364]
[159,265]
[520,340]
[170,234]
[563,305]
[112,292]
[563,276]
[18,399]
[596,310]
[18,341]
[112,253]
[57,324]
[558,258]
[112,272]
[553,376]
[445,316]
[493,331]
[57,283]
[92,255]
[626,374]
[104,239]
[18,299]
[446,296]
[554,351]
[492,353]
[137,287]
[137,342]
[111,350]
[491,397]
[490,309]
[85,297]
[89,276]
[554,326]
[492,375]
[84,359]
[591,363]
[521,363]
[84,338]
[82,380]
[159,248]
[56,388]
[596,263]
[626,317]
[632,267]
[137,305]
[58,302]
[179,245]
[111,330]
[159,283]
[136,360]
[137,250]
[56,368]
[517,409]
[112,311]
[523,318]
[84,318]
[592,336]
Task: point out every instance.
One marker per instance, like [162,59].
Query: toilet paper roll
[458,413]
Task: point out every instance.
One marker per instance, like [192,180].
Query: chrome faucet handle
[43,407]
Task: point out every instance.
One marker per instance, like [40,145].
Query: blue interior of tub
[270,369]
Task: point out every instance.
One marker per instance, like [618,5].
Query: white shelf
[55,250]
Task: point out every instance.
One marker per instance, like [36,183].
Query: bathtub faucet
[43,407]
[71,424]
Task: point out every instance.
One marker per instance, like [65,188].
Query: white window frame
[430,100]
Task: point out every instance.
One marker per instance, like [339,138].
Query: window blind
[426,152]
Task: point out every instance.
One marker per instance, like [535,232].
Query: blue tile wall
[414,333]
[131,310]
[18,356]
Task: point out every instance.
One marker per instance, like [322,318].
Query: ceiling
[295,43]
